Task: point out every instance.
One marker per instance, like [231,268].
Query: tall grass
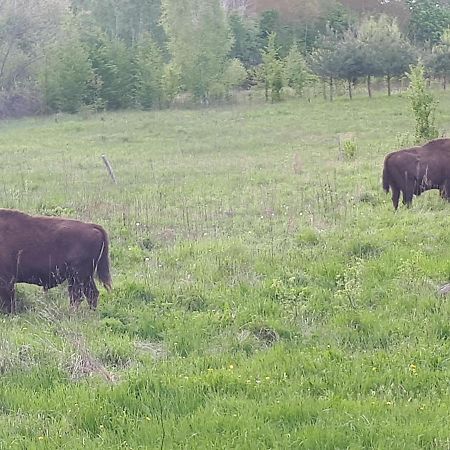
[266,294]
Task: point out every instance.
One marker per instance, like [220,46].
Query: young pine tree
[296,73]
[272,70]
[171,82]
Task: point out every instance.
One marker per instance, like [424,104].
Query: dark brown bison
[415,170]
[46,251]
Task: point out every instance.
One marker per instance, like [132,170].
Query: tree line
[65,55]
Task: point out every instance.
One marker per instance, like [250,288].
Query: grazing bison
[415,170]
[46,251]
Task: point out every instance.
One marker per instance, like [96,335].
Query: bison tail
[386,185]
[103,262]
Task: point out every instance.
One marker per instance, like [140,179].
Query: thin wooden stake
[110,169]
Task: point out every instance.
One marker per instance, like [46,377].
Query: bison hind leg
[8,299]
[395,197]
[91,293]
[444,190]
[407,197]
[75,293]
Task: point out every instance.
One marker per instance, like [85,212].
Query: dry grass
[82,362]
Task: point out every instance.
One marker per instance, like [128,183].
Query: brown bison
[46,251]
[415,170]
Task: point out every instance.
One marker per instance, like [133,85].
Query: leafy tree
[349,60]
[386,52]
[395,58]
[423,104]
[171,82]
[287,32]
[428,20]
[26,28]
[127,20]
[324,60]
[269,23]
[339,19]
[245,40]
[67,72]
[149,74]
[235,74]
[199,42]
[272,70]
[439,60]
[296,72]
[112,62]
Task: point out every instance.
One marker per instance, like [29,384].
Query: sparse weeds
[348,284]
[347,146]
[349,149]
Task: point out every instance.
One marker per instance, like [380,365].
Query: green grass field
[266,295]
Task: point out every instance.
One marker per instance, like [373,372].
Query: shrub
[349,149]
[423,104]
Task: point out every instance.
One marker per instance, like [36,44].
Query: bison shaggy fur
[412,171]
[46,251]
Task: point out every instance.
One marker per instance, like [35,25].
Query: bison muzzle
[415,170]
[46,251]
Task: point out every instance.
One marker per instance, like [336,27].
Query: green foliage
[128,21]
[428,21]
[349,58]
[349,149]
[386,52]
[245,45]
[199,42]
[149,74]
[423,104]
[26,29]
[269,25]
[438,62]
[296,73]
[374,48]
[234,75]
[272,70]
[171,82]
[324,59]
[339,19]
[67,73]
[287,31]
[113,64]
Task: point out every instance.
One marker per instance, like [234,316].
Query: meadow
[266,295]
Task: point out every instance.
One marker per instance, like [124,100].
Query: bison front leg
[91,293]
[75,294]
